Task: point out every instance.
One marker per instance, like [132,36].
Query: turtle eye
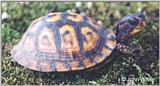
[133,21]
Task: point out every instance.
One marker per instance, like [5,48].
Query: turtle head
[130,25]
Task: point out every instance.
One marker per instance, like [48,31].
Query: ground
[123,69]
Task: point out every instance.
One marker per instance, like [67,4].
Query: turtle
[67,41]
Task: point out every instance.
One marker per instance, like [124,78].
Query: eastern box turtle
[61,41]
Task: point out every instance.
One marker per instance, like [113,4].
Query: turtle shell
[63,42]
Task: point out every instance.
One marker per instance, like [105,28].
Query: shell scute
[53,17]
[46,41]
[69,42]
[75,17]
[90,38]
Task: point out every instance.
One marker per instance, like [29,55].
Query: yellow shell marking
[60,66]
[69,42]
[106,51]
[91,40]
[46,41]
[78,17]
[29,43]
[88,63]
[110,43]
[55,17]
[98,58]
[75,65]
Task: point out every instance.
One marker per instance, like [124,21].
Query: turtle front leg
[127,49]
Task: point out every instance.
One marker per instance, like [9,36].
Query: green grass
[144,66]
